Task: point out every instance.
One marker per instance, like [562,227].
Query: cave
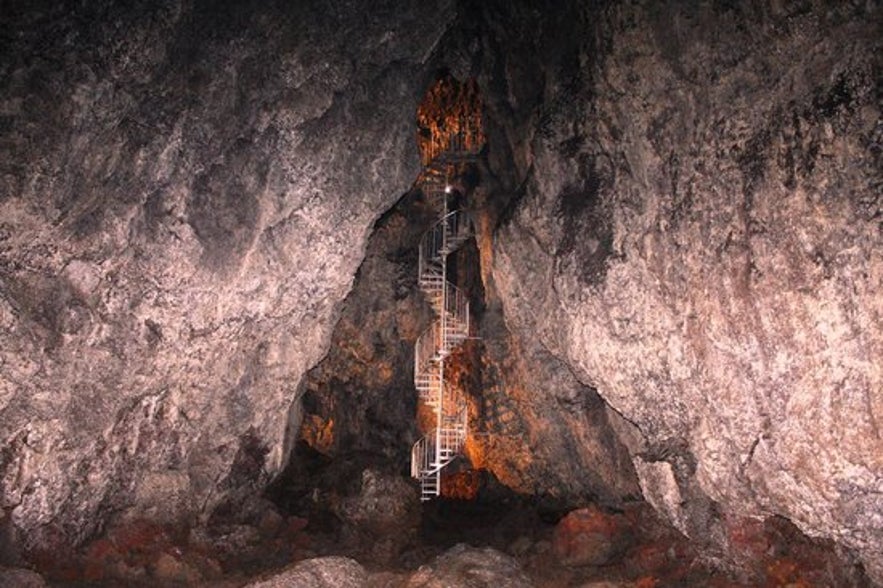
[451,294]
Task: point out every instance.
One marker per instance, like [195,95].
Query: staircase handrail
[457,307]
[421,456]
[462,142]
[426,350]
[454,225]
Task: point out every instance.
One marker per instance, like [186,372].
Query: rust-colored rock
[590,537]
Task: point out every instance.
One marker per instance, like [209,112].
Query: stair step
[451,329]
[427,383]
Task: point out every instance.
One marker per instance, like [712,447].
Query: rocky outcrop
[382,520]
[21,578]
[463,566]
[459,566]
[186,190]
[697,234]
[320,572]
[361,397]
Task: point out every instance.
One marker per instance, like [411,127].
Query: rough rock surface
[20,578]
[683,213]
[463,566]
[385,503]
[320,572]
[537,427]
[696,232]
[589,537]
[382,519]
[460,567]
[360,398]
[186,190]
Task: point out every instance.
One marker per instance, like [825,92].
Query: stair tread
[439,448]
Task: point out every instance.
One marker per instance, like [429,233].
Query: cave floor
[641,552]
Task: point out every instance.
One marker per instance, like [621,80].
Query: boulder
[590,537]
[468,567]
[384,504]
[21,578]
[320,572]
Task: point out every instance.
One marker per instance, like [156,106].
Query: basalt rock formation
[697,234]
[678,223]
[187,191]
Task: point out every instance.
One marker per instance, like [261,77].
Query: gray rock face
[321,572]
[385,504]
[21,578]
[185,195]
[700,239]
[470,567]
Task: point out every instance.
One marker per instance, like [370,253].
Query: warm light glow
[450,135]
[449,119]
[318,433]
[462,485]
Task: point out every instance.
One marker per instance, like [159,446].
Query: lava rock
[382,518]
[386,580]
[384,504]
[186,193]
[20,578]
[590,537]
[698,237]
[463,566]
[320,572]
[169,569]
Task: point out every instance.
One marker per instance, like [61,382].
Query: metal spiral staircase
[450,328]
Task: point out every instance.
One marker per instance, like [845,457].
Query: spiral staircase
[449,329]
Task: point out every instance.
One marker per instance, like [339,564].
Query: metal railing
[445,236]
[438,448]
[463,143]
[456,306]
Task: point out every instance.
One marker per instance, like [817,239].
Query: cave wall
[360,399]
[186,191]
[694,229]
[533,424]
[680,215]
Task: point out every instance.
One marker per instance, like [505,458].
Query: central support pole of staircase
[438,448]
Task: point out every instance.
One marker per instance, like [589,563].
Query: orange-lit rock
[785,572]
[318,433]
[747,537]
[462,485]
[450,110]
[590,537]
